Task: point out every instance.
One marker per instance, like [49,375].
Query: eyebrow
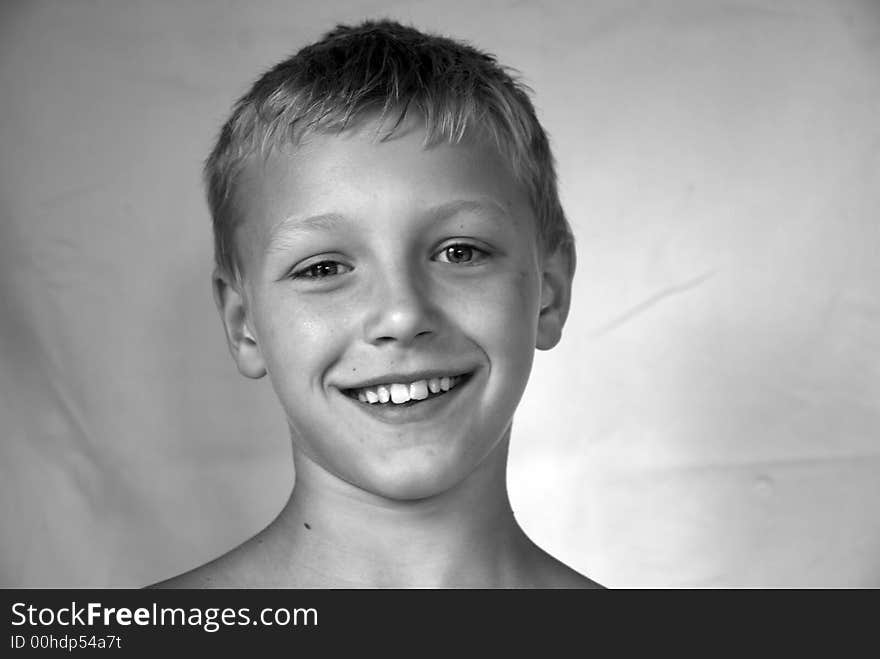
[484,206]
[287,229]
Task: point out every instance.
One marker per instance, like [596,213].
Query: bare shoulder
[205,576]
[238,568]
[565,577]
[550,572]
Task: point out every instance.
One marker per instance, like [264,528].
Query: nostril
[399,316]
[401,337]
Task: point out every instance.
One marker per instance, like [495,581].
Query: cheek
[503,313]
[527,288]
[302,337]
[523,299]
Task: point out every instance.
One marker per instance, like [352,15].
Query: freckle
[308,527]
[764,485]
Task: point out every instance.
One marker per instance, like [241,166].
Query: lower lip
[418,411]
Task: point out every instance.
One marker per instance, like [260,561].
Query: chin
[411,483]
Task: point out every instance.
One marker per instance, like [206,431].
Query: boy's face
[384,269]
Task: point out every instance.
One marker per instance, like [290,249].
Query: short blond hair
[384,67]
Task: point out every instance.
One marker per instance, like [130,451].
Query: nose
[400,309]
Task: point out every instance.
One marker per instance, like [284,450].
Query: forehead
[359,175]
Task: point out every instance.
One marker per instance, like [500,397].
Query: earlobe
[241,341]
[556,277]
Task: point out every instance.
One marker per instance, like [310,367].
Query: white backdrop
[712,416]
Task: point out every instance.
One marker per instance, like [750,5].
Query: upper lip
[404,378]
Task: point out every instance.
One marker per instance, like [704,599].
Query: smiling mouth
[406,394]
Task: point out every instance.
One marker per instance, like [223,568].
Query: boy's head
[391,250]
[395,71]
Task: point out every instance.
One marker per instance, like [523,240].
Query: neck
[333,534]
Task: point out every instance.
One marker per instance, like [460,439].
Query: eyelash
[477,253]
[311,271]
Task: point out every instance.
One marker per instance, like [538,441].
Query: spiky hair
[386,68]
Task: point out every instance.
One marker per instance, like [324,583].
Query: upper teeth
[403,393]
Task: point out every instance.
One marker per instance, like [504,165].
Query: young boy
[390,250]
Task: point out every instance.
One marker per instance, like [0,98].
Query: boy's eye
[461,253]
[321,270]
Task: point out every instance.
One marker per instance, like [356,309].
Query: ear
[233,312]
[557,272]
